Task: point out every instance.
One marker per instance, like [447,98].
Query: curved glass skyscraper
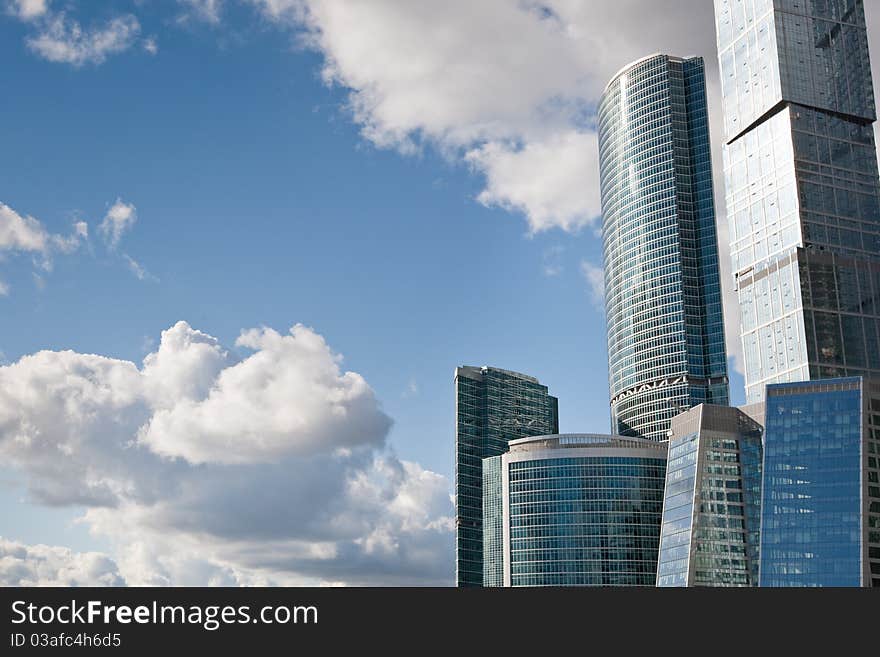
[665,327]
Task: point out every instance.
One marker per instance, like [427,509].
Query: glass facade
[581,510]
[821,497]
[492,407]
[666,348]
[803,199]
[711,513]
[493,515]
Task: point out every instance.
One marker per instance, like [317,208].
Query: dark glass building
[711,511]
[665,327]
[821,494]
[575,510]
[803,198]
[492,407]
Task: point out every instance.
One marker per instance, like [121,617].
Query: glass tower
[665,327]
[820,510]
[711,510]
[577,510]
[493,523]
[492,407]
[803,199]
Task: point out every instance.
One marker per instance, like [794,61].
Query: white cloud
[119,218]
[43,565]
[203,466]
[151,46]
[64,40]
[248,417]
[466,77]
[138,270]
[18,233]
[25,234]
[28,10]
[206,10]
[280,9]
[545,180]
[595,277]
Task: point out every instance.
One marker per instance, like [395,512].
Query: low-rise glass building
[711,512]
[576,510]
[820,521]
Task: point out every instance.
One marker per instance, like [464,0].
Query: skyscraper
[711,511]
[803,198]
[665,328]
[574,510]
[820,522]
[492,407]
[493,522]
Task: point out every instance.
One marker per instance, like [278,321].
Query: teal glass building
[492,407]
[803,197]
[575,510]
[665,328]
[711,512]
[493,523]
[820,521]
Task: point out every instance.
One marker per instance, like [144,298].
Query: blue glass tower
[820,522]
[665,328]
[492,407]
[803,198]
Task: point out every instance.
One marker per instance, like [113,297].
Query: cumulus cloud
[545,180]
[495,81]
[247,415]
[203,465]
[64,40]
[44,565]
[119,218]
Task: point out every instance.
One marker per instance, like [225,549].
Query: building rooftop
[474,372]
[641,60]
[583,440]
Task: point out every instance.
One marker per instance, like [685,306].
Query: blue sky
[277,176]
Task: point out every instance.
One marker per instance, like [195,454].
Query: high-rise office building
[492,407]
[665,327]
[493,522]
[574,510]
[820,509]
[803,199]
[711,511]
